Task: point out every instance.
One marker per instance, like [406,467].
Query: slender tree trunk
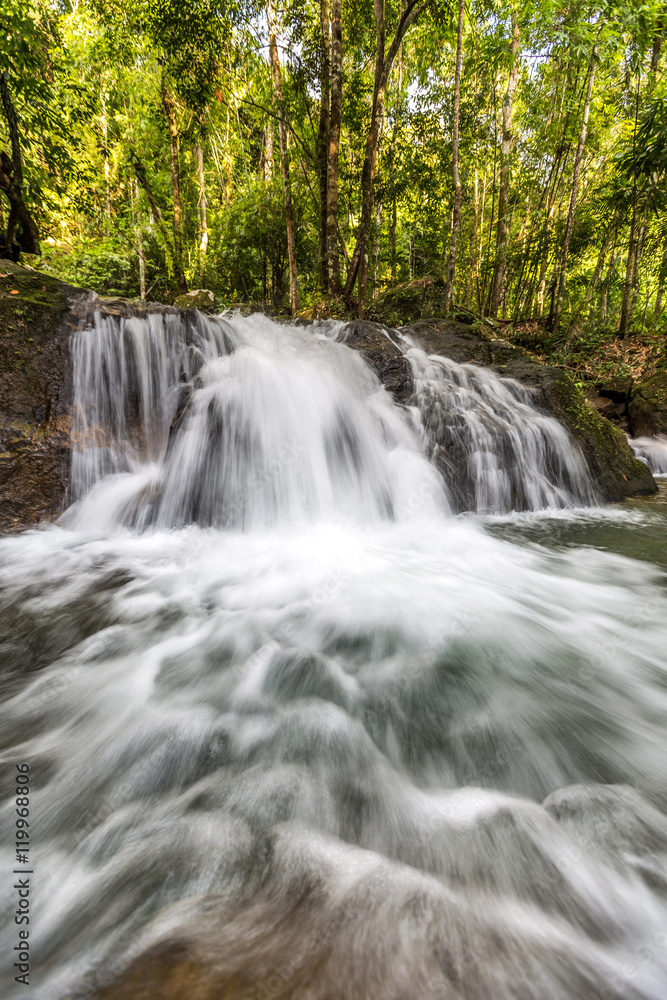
[21,226]
[574,192]
[628,286]
[605,288]
[502,234]
[107,178]
[134,202]
[170,112]
[384,60]
[284,159]
[638,256]
[450,280]
[595,279]
[368,197]
[142,177]
[333,259]
[203,205]
[323,141]
[662,282]
[392,235]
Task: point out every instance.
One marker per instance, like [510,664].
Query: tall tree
[323,139]
[333,260]
[384,60]
[502,233]
[574,191]
[21,227]
[456,214]
[177,216]
[284,158]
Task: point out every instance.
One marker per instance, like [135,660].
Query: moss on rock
[34,394]
[612,464]
[648,406]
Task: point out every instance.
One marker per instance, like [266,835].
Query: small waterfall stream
[295,730]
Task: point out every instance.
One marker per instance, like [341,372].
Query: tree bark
[384,59]
[574,192]
[503,225]
[203,205]
[21,227]
[628,285]
[333,260]
[284,159]
[142,178]
[662,282]
[456,215]
[170,112]
[323,141]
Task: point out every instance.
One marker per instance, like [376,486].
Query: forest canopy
[313,155]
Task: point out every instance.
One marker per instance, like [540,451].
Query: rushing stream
[293,720]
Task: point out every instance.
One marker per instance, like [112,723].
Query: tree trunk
[333,260]
[323,141]
[142,177]
[21,226]
[203,206]
[575,190]
[383,63]
[370,193]
[456,215]
[170,112]
[502,233]
[107,178]
[628,285]
[662,281]
[282,132]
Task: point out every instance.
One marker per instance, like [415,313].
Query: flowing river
[302,722]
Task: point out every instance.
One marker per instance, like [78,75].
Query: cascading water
[276,425]
[496,449]
[311,736]
[652,451]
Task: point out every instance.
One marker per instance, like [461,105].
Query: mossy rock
[35,385]
[648,406]
[408,302]
[612,464]
[199,298]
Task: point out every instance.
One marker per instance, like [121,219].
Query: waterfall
[294,730]
[246,423]
[652,451]
[497,451]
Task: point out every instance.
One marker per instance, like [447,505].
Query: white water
[496,449]
[652,451]
[340,742]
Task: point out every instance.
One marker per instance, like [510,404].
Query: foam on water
[652,451]
[332,741]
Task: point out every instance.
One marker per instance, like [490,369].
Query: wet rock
[385,358]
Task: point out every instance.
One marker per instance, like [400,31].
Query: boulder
[613,466]
[198,298]
[385,358]
[648,406]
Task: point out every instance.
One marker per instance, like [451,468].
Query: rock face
[648,406]
[385,358]
[36,318]
[614,468]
